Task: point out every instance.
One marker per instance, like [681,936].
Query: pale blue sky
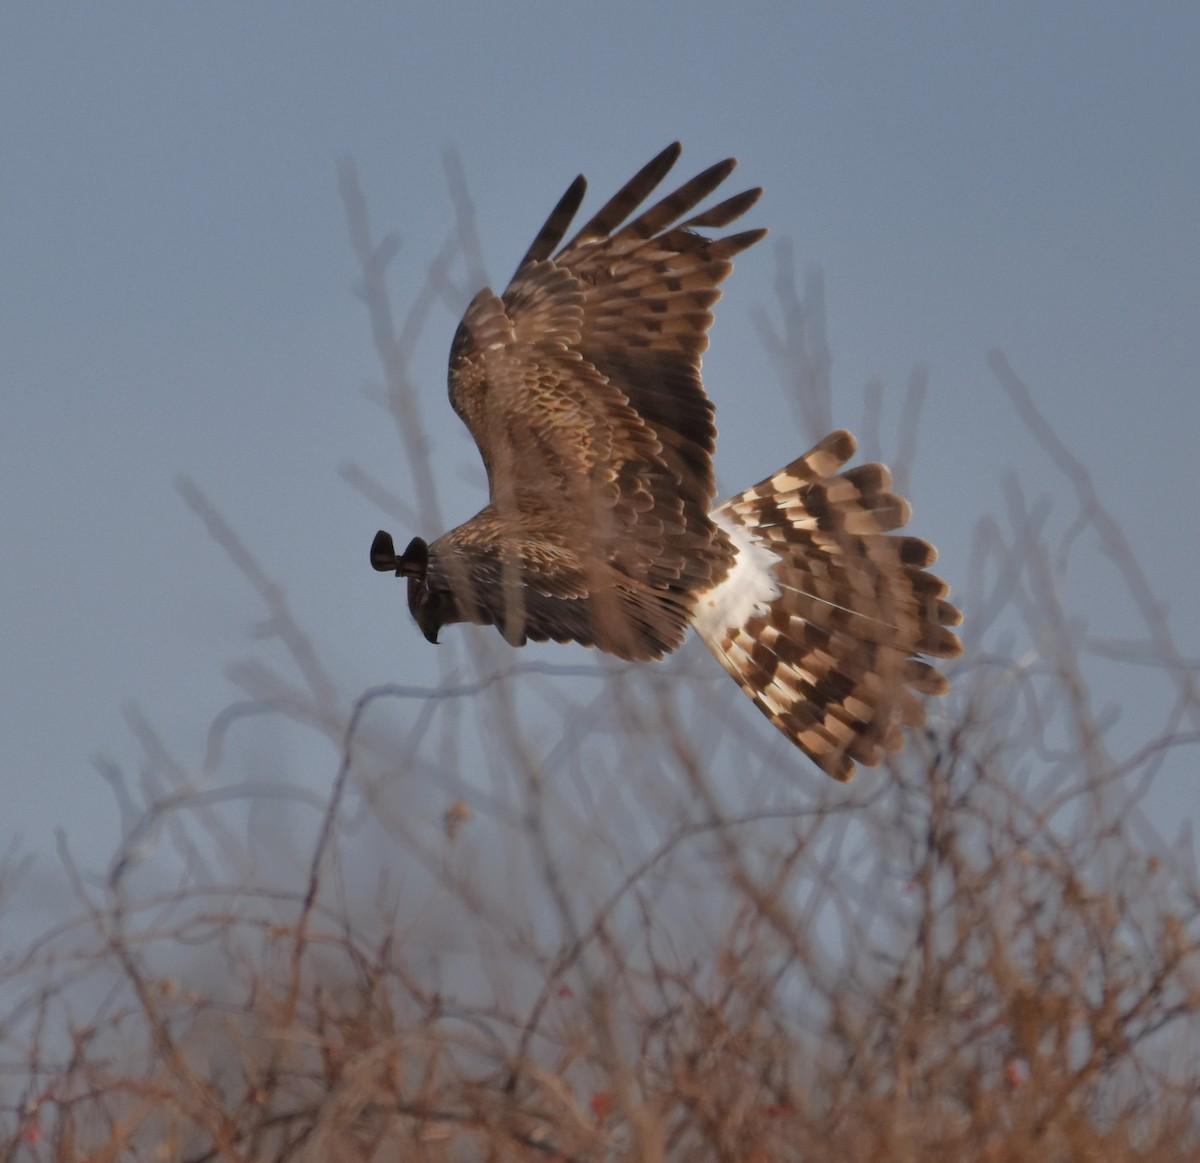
[176,294]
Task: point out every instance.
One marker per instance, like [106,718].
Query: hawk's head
[431,609]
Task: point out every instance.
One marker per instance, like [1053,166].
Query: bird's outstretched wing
[581,386]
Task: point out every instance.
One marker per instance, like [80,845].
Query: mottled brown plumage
[829,651]
[581,386]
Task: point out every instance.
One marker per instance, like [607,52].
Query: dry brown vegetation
[560,912]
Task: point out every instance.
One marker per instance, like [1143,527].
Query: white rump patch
[748,589]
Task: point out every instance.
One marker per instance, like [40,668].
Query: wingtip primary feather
[725,212]
[556,226]
[628,197]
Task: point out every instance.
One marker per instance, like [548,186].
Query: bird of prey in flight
[581,386]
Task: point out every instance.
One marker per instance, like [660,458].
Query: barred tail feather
[825,612]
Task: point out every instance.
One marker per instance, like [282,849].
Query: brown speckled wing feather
[581,385]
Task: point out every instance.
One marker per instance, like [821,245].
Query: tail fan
[825,613]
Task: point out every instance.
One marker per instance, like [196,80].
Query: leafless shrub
[563,912]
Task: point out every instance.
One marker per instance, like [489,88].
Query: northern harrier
[581,385]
